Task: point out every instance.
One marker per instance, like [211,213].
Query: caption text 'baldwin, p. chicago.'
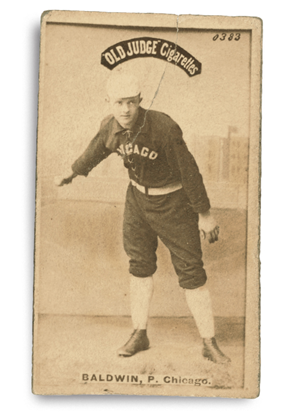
[144,379]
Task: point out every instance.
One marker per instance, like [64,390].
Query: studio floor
[69,346]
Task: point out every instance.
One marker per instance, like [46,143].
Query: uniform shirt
[154,153]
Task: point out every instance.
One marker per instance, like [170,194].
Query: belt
[167,189]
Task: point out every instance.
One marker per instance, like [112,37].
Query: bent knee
[140,269]
[193,281]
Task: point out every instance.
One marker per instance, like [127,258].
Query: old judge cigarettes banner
[146,47]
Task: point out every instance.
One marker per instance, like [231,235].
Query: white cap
[123,85]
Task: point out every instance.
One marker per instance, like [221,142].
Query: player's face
[125,110]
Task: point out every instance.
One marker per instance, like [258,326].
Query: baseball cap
[123,85]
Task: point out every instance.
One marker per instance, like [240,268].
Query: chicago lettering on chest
[130,148]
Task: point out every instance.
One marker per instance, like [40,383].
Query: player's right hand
[60,181]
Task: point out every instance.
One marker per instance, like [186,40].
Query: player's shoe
[213,353]
[137,342]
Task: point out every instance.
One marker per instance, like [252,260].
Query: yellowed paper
[199,75]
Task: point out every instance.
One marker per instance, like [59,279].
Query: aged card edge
[252,348]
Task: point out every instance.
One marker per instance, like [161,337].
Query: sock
[199,303]
[141,290]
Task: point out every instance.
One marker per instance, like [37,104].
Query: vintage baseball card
[148,205]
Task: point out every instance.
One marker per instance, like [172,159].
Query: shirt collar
[141,124]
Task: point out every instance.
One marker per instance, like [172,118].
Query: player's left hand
[208,227]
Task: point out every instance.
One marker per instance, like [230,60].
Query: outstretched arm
[92,156]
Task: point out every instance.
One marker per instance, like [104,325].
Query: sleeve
[181,161]
[92,156]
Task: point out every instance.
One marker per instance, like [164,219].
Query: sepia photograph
[147,205]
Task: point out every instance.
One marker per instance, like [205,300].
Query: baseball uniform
[164,197]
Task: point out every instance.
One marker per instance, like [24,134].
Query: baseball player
[165,199]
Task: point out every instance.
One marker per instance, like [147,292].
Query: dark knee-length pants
[171,218]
